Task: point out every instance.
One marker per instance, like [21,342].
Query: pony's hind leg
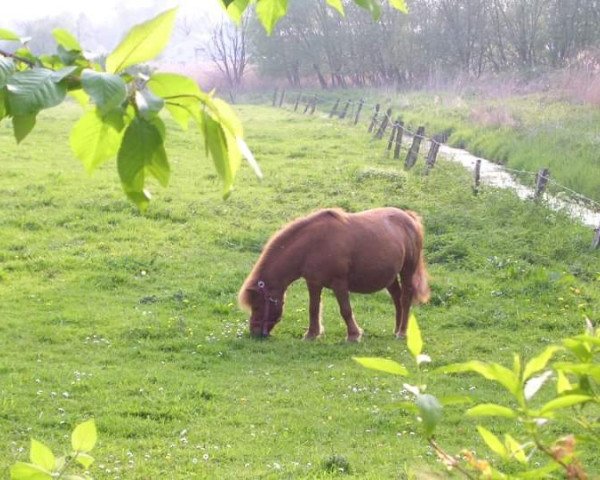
[396,293]
[406,297]
[343,297]
[315,327]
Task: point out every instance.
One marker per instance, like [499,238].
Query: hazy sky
[101,11]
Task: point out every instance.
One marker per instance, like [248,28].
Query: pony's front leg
[396,293]
[343,298]
[315,328]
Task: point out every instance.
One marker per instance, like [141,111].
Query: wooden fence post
[313,104]
[334,109]
[434,148]
[374,119]
[413,153]
[281,98]
[477,176]
[392,136]
[345,111]
[308,102]
[596,240]
[541,180]
[360,105]
[297,102]
[275,96]
[399,132]
[384,123]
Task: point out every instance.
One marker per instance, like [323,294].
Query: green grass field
[132,319]
[523,132]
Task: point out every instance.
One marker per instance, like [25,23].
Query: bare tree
[228,51]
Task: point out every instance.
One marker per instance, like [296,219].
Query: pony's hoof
[355,337]
[312,336]
[400,336]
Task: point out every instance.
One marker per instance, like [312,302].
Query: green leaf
[580,369]
[63,73]
[581,349]
[373,6]
[430,411]
[270,12]
[517,365]
[3,111]
[399,5]
[492,441]
[216,142]
[84,459]
[22,126]
[42,456]
[27,471]
[564,402]
[414,341]
[338,5]
[66,40]
[455,400]
[80,97]
[7,68]
[96,138]
[515,449]
[142,43]
[142,152]
[236,8]
[33,90]
[8,35]
[491,410]
[149,105]
[181,94]
[562,383]
[84,436]
[539,363]
[491,371]
[108,91]
[382,365]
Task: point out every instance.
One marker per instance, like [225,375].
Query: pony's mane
[282,236]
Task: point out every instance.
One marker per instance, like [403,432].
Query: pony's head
[265,305]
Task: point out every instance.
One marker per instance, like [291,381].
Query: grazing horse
[346,252]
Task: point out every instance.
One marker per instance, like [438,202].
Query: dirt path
[494,175]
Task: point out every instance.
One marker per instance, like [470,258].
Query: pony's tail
[420,278]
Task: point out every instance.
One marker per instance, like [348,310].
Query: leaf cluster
[576,391]
[46,466]
[269,12]
[121,109]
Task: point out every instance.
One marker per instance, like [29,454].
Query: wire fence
[378,123]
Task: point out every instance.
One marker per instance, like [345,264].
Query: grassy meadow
[132,319]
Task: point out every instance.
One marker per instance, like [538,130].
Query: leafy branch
[522,382]
[121,108]
[45,466]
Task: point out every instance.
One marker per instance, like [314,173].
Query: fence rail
[378,123]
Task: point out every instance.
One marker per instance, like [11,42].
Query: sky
[14,11]
[100,24]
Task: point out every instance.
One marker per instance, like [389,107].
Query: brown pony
[346,252]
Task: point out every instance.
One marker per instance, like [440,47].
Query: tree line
[439,38]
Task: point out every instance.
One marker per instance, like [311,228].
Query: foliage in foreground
[46,466]
[124,120]
[576,389]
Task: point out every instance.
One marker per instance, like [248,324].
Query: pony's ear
[248,297]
